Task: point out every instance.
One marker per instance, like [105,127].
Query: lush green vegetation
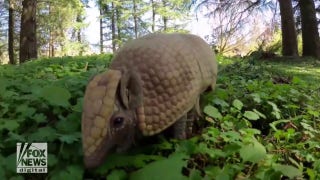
[262,122]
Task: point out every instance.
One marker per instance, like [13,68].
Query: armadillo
[152,83]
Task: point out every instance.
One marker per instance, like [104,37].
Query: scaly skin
[174,70]
[169,72]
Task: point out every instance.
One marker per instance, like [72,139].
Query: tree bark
[289,34]
[165,18]
[51,34]
[118,21]
[28,40]
[113,27]
[11,33]
[153,15]
[310,33]
[135,19]
[79,20]
[51,44]
[101,29]
[79,38]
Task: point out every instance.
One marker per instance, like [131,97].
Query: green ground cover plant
[261,122]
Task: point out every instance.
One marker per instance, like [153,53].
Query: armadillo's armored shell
[98,107]
[174,70]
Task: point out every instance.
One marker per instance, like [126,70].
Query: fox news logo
[32,158]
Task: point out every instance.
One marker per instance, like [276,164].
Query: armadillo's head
[109,114]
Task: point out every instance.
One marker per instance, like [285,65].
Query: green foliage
[275,45]
[41,101]
[170,166]
[261,122]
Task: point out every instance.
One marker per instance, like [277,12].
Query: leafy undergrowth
[261,122]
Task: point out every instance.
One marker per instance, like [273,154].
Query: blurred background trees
[33,28]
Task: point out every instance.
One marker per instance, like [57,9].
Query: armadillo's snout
[96,158]
[90,162]
[98,106]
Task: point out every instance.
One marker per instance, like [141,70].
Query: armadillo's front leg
[192,116]
[179,128]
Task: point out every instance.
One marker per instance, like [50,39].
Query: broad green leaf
[4,108]
[117,160]
[39,118]
[230,136]
[274,124]
[259,113]
[52,160]
[276,110]
[213,153]
[196,175]
[268,174]
[274,106]
[287,170]
[10,164]
[220,102]
[43,134]
[231,148]
[70,138]
[71,172]
[187,146]
[56,95]
[251,115]
[117,175]
[4,83]
[10,125]
[16,137]
[71,124]
[237,104]
[212,112]
[250,131]
[2,173]
[25,110]
[253,152]
[78,106]
[169,168]
[218,173]
[221,93]
[256,97]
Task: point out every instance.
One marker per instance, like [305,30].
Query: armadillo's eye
[118,121]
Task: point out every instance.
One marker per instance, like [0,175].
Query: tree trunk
[113,27]
[51,44]
[153,15]
[310,33]
[118,19]
[51,35]
[101,29]
[135,19]
[28,40]
[79,38]
[289,35]
[165,18]
[11,32]
[79,20]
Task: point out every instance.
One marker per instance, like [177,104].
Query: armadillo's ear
[131,90]
[123,89]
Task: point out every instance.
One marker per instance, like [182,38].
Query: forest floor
[262,122]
